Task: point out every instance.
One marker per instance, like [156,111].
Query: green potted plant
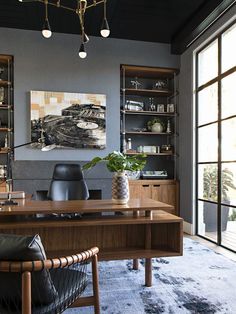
[119,163]
[156,125]
[210,192]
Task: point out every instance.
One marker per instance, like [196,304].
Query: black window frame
[219,162]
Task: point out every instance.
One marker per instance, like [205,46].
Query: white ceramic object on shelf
[157,127]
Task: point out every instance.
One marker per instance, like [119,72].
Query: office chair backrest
[68,183]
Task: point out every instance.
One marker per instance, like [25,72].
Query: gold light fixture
[80,10]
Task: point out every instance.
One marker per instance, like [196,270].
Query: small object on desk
[9,201]
[13,194]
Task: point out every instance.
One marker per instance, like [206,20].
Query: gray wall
[186,120]
[54,65]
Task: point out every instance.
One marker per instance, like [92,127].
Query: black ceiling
[167,21]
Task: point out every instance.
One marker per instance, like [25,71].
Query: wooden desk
[148,232]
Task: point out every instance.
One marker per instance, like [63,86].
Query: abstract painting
[68,120]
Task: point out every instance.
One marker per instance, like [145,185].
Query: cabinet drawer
[140,191]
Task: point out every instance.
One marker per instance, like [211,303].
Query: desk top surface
[27,207]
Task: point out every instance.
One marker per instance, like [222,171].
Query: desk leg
[148,245]
[136,261]
[148,272]
[135,264]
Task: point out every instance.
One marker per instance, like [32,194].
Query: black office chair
[67,184]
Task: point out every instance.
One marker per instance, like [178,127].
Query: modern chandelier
[80,9]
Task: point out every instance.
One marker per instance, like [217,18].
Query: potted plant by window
[210,189]
[156,125]
[119,163]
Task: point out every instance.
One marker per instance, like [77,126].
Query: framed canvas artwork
[68,120]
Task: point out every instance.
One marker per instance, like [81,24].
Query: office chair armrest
[39,265]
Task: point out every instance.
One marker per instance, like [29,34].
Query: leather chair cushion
[25,248]
[68,291]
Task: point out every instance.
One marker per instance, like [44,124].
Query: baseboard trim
[188,228]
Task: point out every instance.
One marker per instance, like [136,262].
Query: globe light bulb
[82,52]
[105,30]
[46,31]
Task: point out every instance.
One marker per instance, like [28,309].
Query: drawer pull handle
[156,185]
[145,185]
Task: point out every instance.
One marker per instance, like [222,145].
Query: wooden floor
[213,246]
[228,236]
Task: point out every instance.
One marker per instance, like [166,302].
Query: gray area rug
[201,281]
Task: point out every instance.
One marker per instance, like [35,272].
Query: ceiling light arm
[46,9]
[59,5]
[105,9]
[82,6]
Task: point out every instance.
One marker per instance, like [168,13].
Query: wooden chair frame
[27,267]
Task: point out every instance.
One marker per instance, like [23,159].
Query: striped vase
[120,188]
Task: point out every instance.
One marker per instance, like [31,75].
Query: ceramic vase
[120,188]
[157,127]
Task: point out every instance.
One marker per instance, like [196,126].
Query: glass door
[216,139]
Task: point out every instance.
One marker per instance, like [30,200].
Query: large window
[216,139]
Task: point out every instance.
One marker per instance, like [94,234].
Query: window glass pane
[207,105]
[208,143]
[207,220]
[228,95]
[228,227]
[229,49]
[228,183]
[228,145]
[208,63]
[207,182]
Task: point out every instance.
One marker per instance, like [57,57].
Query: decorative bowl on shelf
[133,175]
[156,125]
